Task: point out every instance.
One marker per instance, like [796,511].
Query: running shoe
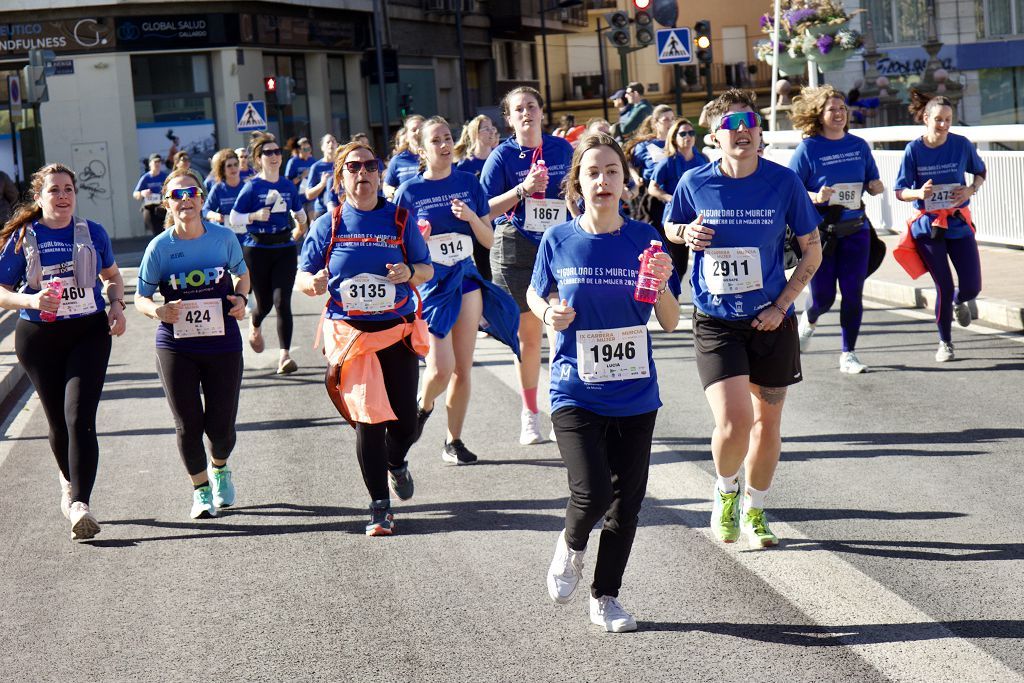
[945,353]
[202,503]
[65,496]
[530,432]
[755,528]
[401,482]
[565,571]
[608,612]
[725,515]
[223,487]
[421,419]
[287,367]
[83,525]
[962,313]
[382,522]
[256,338]
[457,453]
[806,330]
[850,364]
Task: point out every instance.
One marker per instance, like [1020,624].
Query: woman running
[932,177]
[525,197]
[455,208]
[604,387]
[404,162]
[267,204]
[245,170]
[62,338]
[680,157]
[836,168]
[226,170]
[320,176]
[297,169]
[479,138]
[147,191]
[368,256]
[200,272]
[734,214]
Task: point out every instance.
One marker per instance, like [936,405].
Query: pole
[677,75]
[773,116]
[463,84]
[14,147]
[604,72]
[378,13]
[707,82]
[547,81]
[623,66]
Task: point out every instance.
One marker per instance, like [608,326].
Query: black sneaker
[401,482]
[421,419]
[457,453]
[382,522]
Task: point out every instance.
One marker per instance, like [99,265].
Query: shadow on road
[936,551]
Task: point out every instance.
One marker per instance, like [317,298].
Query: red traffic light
[270,83]
[641,4]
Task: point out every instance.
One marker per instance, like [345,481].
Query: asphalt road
[896,501]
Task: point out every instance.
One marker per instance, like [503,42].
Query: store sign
[176,31]
[300,32]
[909,61]
[71,35]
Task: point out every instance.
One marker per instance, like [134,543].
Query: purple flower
[766,21]
[797,16]
[825,43]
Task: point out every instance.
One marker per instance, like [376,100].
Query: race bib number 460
[75,300]
[542,214]
[847,195]
[367,293]
[450,248]
[610,355]
[942,197]
[200,318]
[732,270]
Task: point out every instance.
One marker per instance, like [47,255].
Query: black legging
[272,274]
[606,460]
[219,377]
[67,363]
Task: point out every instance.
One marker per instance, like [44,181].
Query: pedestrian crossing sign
[250,115]
[674,46]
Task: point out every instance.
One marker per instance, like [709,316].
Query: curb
[1004,315]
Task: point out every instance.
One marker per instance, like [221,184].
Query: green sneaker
[755,528]
[223,487]
[725,515]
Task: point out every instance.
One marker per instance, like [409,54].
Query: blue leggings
[937,254]
[848,264]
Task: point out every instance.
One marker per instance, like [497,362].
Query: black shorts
[731,348]
[512,258]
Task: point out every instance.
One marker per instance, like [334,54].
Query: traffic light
[40,65]
[270,84]
[644,25]
[405,105]
[285,90]
[641,4]
[702,41]
[618,28]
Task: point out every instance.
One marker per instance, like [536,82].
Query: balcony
[520,19]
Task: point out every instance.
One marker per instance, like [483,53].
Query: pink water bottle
[646,284]
[424,225]
[544,169]
[57,285]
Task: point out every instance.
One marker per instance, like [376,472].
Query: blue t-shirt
[943,165]
[56,249]
[296,165]
[319,167]
[402,166]
[154,183]
[471,165]
[246,174]
[186,270]
[253,197]
[209,182]
[744,212]
[349,259]
[222,198]
[669,171]
[645,160]
[509,164]
[819,161]
[597,275]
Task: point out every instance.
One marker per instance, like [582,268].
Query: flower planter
[789,66]
[832,61]
[821,29]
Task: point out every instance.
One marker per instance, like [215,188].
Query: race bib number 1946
[615,354]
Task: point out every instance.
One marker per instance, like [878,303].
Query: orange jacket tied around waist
[905,252]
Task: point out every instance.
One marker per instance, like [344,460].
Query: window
[999,17]
[296,115]
[515,61]
[339,98]
[897,21]
[1002,95]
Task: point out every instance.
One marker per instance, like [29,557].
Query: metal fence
[994,208]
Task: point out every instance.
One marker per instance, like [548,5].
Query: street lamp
[559,4]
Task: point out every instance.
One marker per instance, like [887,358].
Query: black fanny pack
[271,238]
[847,227]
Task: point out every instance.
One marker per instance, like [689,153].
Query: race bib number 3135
[367,293]
[610,355]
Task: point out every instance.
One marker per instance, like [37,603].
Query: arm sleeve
[543,279]
[800,163]
[870,167]
[975,166]
[212,201]
[138,185]
[391,175]
[314,248]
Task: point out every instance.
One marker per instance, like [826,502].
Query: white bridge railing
[995,208]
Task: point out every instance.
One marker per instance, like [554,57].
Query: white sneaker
[945,353]
[202,503]
[806,330]
[83,525]
[530,432]
[962,313]
[850,364]
[565,571]
[606,611]
[65,496]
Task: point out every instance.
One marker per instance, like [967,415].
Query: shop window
[295,115]
[339,98]
[999,17]
[897,21]
[1002,95]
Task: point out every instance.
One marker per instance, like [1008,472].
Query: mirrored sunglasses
[733,121]
[184,193]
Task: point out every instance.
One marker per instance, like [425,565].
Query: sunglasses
[271,152]
[686,134]
[184,193]
[353,167]
[733,121]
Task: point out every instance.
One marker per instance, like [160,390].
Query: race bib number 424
[200,318]
[610,355]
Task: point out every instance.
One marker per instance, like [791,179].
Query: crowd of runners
[419,252]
